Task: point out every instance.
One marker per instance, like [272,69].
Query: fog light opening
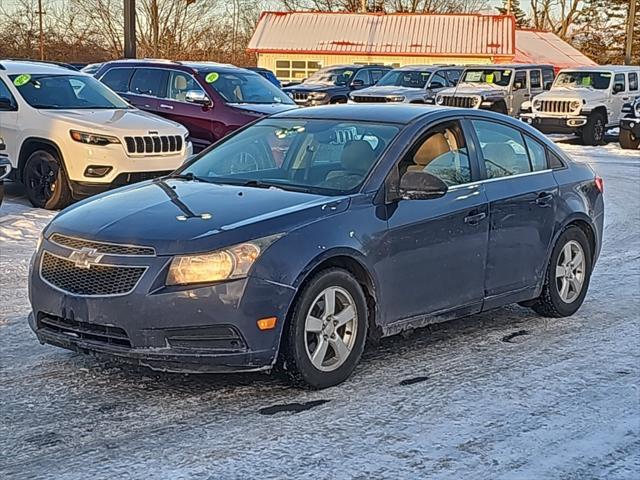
[267,323]
[96,171]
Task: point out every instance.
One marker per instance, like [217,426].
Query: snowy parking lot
[501,395]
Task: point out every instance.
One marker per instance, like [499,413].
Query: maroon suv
[210,99]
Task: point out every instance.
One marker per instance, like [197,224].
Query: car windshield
[331,76]
[595,80]
[404,78]
[316,156]
[245,87]
[498,77]
[62,92]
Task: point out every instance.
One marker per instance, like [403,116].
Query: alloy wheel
[41,181]
[330,328]
[570,271]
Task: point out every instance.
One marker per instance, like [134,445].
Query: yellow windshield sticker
[211,77]
[21,80]
[490,78]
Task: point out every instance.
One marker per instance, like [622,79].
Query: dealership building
[296,44]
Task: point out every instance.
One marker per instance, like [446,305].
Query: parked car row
[69,136]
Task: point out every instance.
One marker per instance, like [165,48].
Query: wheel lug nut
[333,335]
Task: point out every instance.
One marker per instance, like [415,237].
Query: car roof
[604,68]
[514,66]
[158,62]
[16,67]
[402,114]
[428,67]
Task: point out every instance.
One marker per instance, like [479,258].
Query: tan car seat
[180,88]
[433,147]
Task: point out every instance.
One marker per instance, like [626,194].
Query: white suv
[69,136]
[585,101]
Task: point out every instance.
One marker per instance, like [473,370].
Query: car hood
[263,108]
[116,121]
[314,87]
[177,216]
[481,89]
[389,90]
[565,93]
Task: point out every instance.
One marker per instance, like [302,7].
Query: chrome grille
[366,99]
[555,106]
[462,102]
[300,96]
[98,280]
[84,331]
[154,144]
[100,247]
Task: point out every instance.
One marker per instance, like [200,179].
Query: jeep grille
[463,102]
[555,106]
[154,144]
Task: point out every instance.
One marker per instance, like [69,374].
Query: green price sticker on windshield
[21,80]
[211,77]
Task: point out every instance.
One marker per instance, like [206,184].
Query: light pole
[129,28]
[631,21]
[40,13]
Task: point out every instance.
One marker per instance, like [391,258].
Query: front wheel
[567,277]
[628,141]
[45,181]
[328,330]
[593,132]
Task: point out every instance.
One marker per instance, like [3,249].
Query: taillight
[599,184]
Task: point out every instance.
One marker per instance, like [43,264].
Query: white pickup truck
[585,101]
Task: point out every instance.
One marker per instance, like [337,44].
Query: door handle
[168,107]
[544,199]
[475,218]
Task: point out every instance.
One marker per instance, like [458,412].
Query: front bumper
[631,124]
[85,189]
[555,124]
[210,328]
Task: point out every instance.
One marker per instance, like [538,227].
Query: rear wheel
[628,141]
[328,330]
[593,132]
[45,181]
[567,277]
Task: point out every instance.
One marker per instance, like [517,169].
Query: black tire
[549,303]
[46,181]
[594,131]
[338,100]
[499,107]
[628,141]
[298,365]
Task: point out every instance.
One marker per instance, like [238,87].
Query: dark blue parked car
[291,241]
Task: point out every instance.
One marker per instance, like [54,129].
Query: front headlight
[575,105]
[225,264]
[537,104]
[439,100]
[93,138]
[476,101]
[317,95]
[637,108]
[395,98]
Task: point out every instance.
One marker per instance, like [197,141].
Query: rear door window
[633,81]
[547,78]
[503,149]
[453,77]
[149,81]
[535,77]
[117,79]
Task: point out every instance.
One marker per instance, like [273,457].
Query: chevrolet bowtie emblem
[85,257]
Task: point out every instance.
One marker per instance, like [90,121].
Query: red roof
[534,46]
[463,35]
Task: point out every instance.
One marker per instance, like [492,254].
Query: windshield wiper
[280,186]
[189,177]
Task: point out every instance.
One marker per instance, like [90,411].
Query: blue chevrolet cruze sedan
[292,241]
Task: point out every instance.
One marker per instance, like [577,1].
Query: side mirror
[198,97]
[421,186]
[617,88]
[518,85]
[357,83]
[6,104]
[435,85]
[547,85]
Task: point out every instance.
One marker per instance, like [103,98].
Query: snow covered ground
[502,395]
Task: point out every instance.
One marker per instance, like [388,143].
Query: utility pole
[129,28]
[40,14]
[508,7]
[631,21]
[363,6]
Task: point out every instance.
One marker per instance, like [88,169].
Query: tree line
[219,30]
